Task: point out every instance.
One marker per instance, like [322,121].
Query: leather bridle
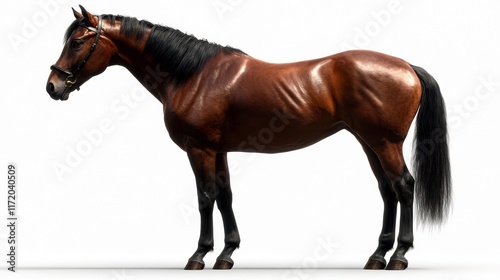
[71,75]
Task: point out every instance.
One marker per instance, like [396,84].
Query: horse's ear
[89,18]
[77,14]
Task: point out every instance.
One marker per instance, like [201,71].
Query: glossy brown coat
[239,103]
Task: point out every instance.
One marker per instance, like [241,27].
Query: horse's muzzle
[54,93]
[57,92]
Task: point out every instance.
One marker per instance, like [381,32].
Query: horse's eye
[76,44]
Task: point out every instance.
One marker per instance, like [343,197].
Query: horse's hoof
[397,265]
[222,264]
[194,265]
[375,264]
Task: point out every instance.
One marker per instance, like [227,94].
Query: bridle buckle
[70,81]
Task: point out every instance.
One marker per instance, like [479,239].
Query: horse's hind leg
[388,234]
[404,186]
[224,203]
[391,158]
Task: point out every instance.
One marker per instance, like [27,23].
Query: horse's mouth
[62,97]
[65,95]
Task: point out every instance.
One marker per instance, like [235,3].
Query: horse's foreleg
[203,164]
[224,203]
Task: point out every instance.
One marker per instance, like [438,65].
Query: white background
[129,201]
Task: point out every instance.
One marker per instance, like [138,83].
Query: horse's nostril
[50,88]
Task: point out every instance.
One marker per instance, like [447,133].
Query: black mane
[130,26]
[181,54]
[175,52]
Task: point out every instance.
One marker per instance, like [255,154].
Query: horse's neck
[131,56]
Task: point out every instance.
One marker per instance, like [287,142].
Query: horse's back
[281,107]
[286,106]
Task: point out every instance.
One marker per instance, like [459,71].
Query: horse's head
[86,53]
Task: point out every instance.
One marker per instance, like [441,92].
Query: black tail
[430,155]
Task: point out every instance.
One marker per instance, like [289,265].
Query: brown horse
[218,100]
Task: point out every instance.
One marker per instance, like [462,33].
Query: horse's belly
[279,132]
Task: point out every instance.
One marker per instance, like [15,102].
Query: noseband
[71,78]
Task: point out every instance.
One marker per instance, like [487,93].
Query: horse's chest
[193,124]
